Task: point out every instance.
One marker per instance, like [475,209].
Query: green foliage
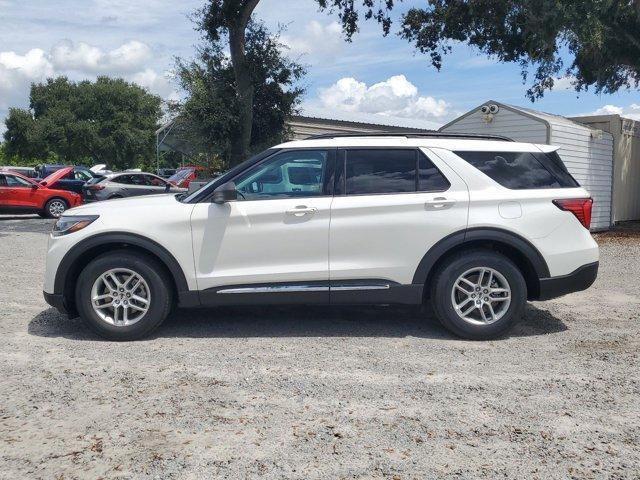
[600,38]
[212,107]
[107,121]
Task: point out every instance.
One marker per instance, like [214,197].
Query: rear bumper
[56,300]
[580,279]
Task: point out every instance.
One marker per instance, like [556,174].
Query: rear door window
[124,179]
[520,170]
[380,171]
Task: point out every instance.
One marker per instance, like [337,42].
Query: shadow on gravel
[311,321]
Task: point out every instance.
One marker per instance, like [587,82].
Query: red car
[184,175]
[19,194]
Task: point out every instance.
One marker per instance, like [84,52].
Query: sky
[373,79]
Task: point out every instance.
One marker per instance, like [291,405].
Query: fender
[122,238]
[480,234]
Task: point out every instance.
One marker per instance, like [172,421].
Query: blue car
[72,182]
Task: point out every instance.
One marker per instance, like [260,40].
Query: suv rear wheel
[478,295]
[123,296]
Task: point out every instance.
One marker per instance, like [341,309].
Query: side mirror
[225,193]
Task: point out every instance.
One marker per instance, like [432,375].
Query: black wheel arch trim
[461,237]
[124,238]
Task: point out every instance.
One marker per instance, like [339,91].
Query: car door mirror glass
[225,193]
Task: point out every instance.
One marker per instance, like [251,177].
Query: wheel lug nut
[473,295]
[486,299]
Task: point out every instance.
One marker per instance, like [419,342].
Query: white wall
[590,161]
[514,125]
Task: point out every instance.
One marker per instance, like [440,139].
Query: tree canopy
[107,121]
[214,108]
[596,43]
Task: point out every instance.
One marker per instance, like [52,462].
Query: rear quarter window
[521,170]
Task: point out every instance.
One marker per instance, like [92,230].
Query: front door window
[292,174]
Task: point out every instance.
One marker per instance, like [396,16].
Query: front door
[272,243]
[17,193]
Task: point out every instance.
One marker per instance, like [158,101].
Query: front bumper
[578,280]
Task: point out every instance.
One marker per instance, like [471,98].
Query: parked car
[28,172]
[184,175]
[126,184]
[20,194]
[166,172]
[474,225]
[72,181]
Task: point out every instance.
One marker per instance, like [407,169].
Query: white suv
[475,225]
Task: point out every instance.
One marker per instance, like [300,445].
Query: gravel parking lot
[319,392]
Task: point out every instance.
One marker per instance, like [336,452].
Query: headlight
[70,224]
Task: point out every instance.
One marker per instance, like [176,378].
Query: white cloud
[632,111]
[18,71]
[86,58]
[395,97]
[317,40]
[78,61]
[563,83]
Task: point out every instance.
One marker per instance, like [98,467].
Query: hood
[131,204]
[52,179]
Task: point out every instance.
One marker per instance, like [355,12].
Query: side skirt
[352,292]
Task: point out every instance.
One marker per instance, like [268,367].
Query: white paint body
[347,237]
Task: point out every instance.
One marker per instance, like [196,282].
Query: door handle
[439,203]
[302,210]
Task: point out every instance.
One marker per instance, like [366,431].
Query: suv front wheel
[478,295]
[123,296]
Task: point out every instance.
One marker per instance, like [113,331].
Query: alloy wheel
[120,297]
[481,296]
[57,208]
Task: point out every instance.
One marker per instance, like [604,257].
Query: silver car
[126,184]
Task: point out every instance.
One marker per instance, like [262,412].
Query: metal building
[587,152]
[626,162]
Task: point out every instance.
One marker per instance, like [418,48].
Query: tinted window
[380,171]
[554,164]
[516,170]
[289,174]
[153,181]
[14,182]
[429,177]
[125,179]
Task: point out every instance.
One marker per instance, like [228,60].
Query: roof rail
[434,134]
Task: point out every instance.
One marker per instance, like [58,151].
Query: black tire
[51,208]
[42,214]
[443,284]
[159,290]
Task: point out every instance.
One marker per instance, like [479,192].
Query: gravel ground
[320,392]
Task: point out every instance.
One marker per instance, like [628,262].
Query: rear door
[391,206]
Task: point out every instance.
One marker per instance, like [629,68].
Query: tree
[107,121]
[238,110]
[601,37]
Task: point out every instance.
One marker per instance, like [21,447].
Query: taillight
[580,207]
[95,187]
